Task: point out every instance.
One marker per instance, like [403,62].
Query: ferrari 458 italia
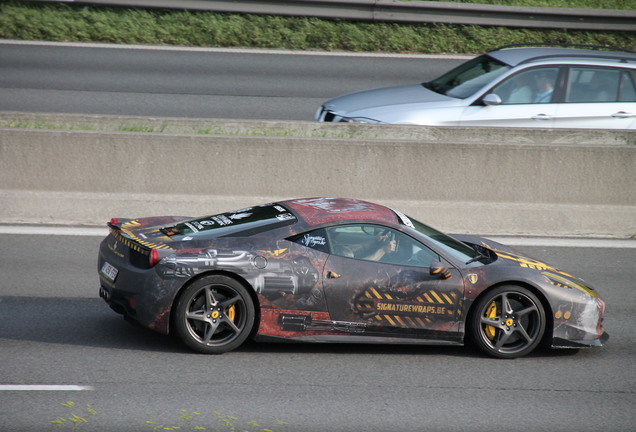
[338,270]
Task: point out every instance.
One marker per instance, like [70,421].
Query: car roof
[320,211]
[514,56]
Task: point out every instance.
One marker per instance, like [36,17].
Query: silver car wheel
[214,315]
[508,322]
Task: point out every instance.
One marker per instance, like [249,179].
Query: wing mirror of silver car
[491,99]
[437,268]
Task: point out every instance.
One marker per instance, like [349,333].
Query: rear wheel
[214,315]
[508,322]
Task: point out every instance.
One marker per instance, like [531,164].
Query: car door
[598,98]
[394,295]
[521,100]
[530,116]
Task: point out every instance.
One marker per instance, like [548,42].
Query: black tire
[507,322]
[214,315]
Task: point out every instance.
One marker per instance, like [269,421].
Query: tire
[214,315]
[508,322]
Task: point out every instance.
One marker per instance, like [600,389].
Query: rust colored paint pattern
[316,211]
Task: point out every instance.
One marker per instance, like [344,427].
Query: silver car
[551,87]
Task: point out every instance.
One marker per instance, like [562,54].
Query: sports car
[338,270]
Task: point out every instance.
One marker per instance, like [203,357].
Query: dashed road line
[43,387]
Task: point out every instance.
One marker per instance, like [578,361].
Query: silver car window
[592,85]
[467,78]
[530,86]
[627,87]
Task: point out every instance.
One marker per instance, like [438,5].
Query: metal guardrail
[406,12]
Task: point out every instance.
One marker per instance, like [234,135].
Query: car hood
[509,256]
[385,98]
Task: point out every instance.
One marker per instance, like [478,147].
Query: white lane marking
[238,50]
[53,230]
[512,241]
[42,387]
[566,242]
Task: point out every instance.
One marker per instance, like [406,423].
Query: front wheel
[214,315]
[508,322]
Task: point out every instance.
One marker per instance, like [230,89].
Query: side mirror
[492,99]
[437,268]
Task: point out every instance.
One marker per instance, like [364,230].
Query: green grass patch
[583,4]
[142,128]
[76,23]
[187,421]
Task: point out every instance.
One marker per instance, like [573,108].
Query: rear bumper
[140,295]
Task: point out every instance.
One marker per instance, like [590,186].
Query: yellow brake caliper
[231,313]
[491,312]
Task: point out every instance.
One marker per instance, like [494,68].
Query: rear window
[244,222]
[600,85]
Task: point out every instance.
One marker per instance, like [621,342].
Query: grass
[590,4]
[188,421]
[77,23]
[73,421]
[286,129]
[180,126]
[191,420]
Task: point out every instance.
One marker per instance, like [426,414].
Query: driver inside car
[383,245]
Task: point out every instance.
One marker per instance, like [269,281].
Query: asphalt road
[162,82]
[54,330]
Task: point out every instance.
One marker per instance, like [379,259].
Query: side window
[379,243]
[315,239]
[592,85]
[531,86]
[627,87]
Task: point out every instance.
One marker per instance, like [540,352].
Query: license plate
[109,271]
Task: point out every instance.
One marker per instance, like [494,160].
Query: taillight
[601,312]
[114,221]
[153,257]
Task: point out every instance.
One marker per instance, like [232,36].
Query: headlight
[562,281]
[318,114]
[325,115]
[358,120]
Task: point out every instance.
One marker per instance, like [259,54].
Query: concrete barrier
[487,181]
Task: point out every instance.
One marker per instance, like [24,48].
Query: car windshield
[459,251]
[242,222]
[467,78]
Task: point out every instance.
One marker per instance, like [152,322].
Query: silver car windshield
[467,78]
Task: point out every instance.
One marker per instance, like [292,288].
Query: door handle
[622,114]
[332,275]
[542,117]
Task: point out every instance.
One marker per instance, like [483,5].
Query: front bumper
[564,343]
[579,324]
